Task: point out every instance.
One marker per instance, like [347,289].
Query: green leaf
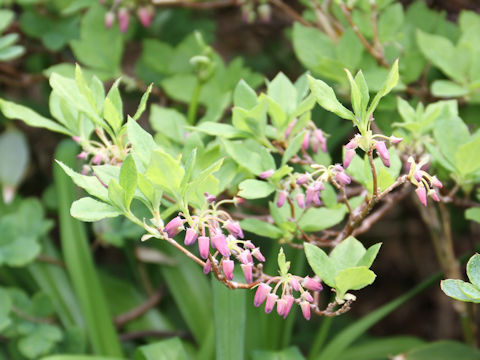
[80,357]
[452,288]
[128,179]
[230,321]
[217,129]
[6,17]
[325,96]
[347,254]
[6,302]
[142,142]
[11,52]
[466,163]
[261,228]
[90,184]
[244,96]
[380,348]
[165,171]
[40,342]
[447,88]
[317,219]
[249,154]
[99,48]
[353,278]
[13,166]
[320,264]
[162,350]
[88,209]
[443,350]
[473,270]
[473,214]
[390,22]
[291,353]
[368,258]
[168,122]
[283,264]
[356,96]
[390,82]
[114,119]
[14,111]
[293,147]
[255,189]
[143,103]
[283,92]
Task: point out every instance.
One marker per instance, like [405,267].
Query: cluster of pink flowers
[314,138]
[290,284]
[145,15]
[427,185]
[225,236]
[380,148]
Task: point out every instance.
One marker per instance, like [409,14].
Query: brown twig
[282,5]
[50,260]
[134,335]
[138,311]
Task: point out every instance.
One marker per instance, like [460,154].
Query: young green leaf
[128,179]
[255,189]
[88,209]
[353,278]
[143,103]
[320,264]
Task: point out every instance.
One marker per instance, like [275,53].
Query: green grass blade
[230,318]
[79,262]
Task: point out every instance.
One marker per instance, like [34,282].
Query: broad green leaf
[168,122]
[466,162]
[128,179]
[244,96]
[113,118]
[217,129]
[325,96]
[165,171]
[368,258]
[379,349]
[116,195]
[40,341]
[447,88]
[451,287]
[261,228]
[470,290]
[6,17]
[320,264]
[255,189]
[14,165]
[142,142]
[473,270]
[353,278]
[250,155]
[390,22]
[443,350]
[317,219]
[162,350]
[283,92]
[473,214]
[89,183]
[88,209]
[347,254]
[356,96]
[230,321]
[291,353]
[14,111]
[293,147]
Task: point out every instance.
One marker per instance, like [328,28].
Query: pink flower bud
[294,283]
[310,195]
[303,179]
[109,19]
[257,254]
[233,227]
[434,195]
[228,266]
[209,197]
[123,19]
[343,178]
[76,139]
[262,292]
[306,140]
[220,243]
[238,200]
[305,309]
[383,152]
[190,236]
[436,183]
[417,175]
[82,156]
[281,305]
[300,200]
[264,13]
[145,15]
[174,226]
[312,284]
[207,268]
[245,257]
[203,246]
[271,300]
[282,197]
[290,127]
[352,144]
[307,296]
[422,194]
[318,134]
[248,244]
[349,154]
[318,186]
[266,174]
[247,272]
[395,140]
[290,300]
[97,159]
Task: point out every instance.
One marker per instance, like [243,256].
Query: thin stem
[192,108]
[374,175]
[142,334]
[138,311]
[290,12]
[185,251]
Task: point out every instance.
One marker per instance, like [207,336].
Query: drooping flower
[109,19]
[174,226]
[383,152]
[282,197]
[271,300]
[123,19]
[219,241]
[145,15]
[190,236]
[422,194]
[247,272]
[261,294]
[300,200]
[266,174]
[234,228]
[312,284]
[203,246]
[305,309]
[349,154]
[228,266]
